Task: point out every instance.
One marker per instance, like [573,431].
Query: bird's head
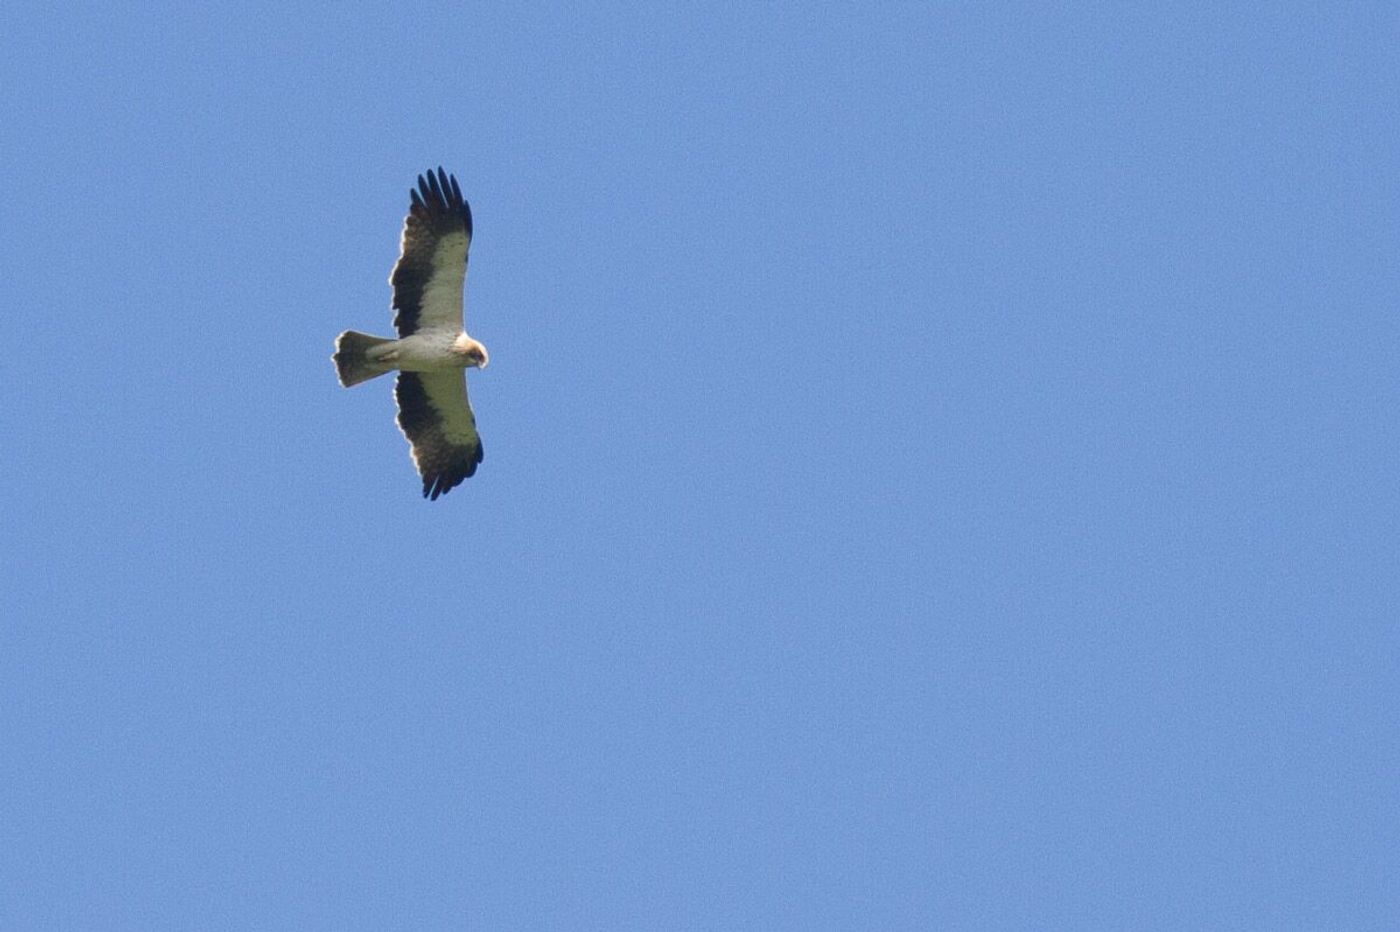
[473,353]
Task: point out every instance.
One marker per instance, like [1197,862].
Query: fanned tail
[352,362]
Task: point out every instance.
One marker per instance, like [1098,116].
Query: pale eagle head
[472,353]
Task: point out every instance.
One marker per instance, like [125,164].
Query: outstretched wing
[437,419]
[432,264]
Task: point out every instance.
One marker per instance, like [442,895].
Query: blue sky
[940,470]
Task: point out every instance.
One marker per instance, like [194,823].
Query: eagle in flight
[433,350]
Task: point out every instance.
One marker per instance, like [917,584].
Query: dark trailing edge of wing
[436,208]
[442,463]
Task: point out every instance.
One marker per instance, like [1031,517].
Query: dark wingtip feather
[438,190]
[440,483]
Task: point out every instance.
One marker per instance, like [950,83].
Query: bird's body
[425,351]
[433,349]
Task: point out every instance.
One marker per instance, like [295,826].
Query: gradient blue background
[941,470]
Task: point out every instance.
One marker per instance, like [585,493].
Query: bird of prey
[433,351]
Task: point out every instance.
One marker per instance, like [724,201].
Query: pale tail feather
[352,363]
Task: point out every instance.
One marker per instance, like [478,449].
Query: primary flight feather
[433,351]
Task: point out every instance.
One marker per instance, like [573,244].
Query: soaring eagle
[433,350]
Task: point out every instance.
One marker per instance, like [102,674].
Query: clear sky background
[940,469]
